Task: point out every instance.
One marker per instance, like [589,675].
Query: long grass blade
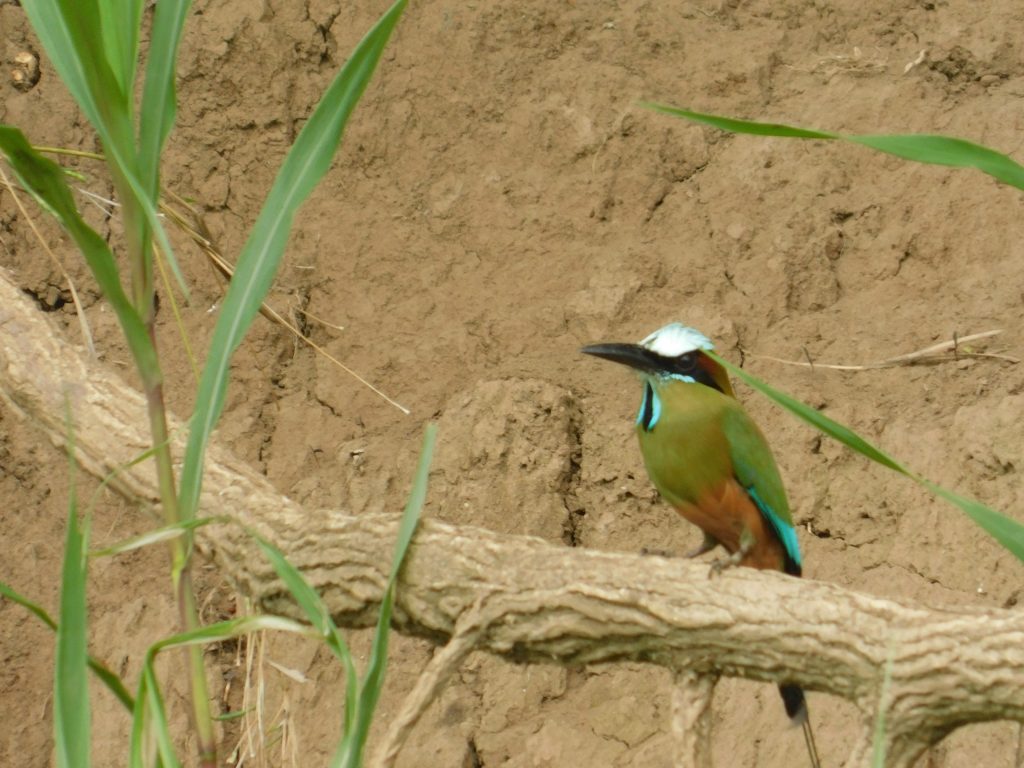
[947,150]
[119,21]
[350,751]
[112,681]
[137,740]
[159,101]
[71,713]
[306,163]
[83,322]
[34,608]
[734,125]
[921,148]
[114,684]
[313,606]
[228,630]
[46,182]
[73,33]
[878,741]
[159,106]
[417,497]
[156,536]
[150,712]
[155,716]
[1003,529]
[306,597]
[1007,531]
[817,419]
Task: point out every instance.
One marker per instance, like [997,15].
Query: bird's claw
[725,563]
[746,545]
[657,552]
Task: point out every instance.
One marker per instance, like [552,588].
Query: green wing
[755,468]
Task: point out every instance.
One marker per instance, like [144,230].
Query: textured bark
[543,602]
[691,719]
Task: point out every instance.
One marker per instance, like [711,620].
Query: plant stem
[137,239]
[197,673]
[181,574]
[140,253]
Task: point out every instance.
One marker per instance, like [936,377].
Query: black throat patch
[647,408]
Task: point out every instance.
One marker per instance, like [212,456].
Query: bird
[710,461]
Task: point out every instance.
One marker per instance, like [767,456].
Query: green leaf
[151,716]
[32,607]
[350,751]
[922,148]
[417,497]
[112,681]
[46,182]
[878,736]
[166,533]
[119,20]
[71,32]
[228,630]
[306,597]
[71,714]
[150,713]
[159,101]
[115,473]
[734,125]
[945,150]
[1003,529]
[814,417]
[229,716]
[313,606]
[306,163]
[137,742]
[75,35]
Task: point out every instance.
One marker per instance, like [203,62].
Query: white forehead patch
[676,339]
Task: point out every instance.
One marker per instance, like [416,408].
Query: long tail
[796,708]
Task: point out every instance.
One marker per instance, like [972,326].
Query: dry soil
[501,199]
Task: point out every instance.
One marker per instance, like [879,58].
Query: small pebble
[25,74]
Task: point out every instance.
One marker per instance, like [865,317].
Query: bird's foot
[658,552]
[725,563]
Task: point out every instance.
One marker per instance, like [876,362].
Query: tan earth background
[500,199]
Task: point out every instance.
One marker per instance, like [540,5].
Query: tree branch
[691,719]
[544,602]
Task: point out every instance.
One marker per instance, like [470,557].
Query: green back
[753,463]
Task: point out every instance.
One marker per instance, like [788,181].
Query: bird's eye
[687,362]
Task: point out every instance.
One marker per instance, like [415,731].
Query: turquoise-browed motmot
[709,460]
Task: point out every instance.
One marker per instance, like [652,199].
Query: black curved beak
[632,355]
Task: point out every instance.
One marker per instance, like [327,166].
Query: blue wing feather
[785,531]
